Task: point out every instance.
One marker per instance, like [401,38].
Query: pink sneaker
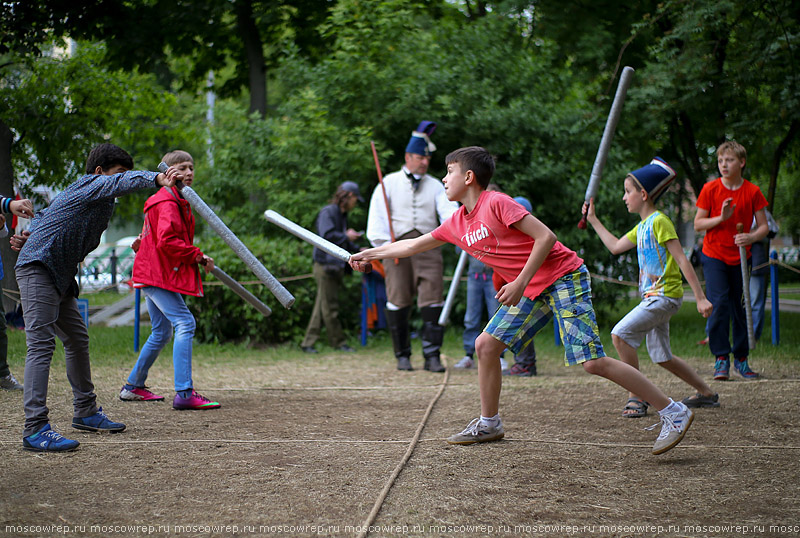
[196,401]
[139,395]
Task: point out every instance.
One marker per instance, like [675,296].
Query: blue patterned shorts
[569,299]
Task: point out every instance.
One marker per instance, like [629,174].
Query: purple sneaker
[722,368]
[195,401]
[743,369]
[137,394]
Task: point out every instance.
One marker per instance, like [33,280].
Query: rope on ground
[331,387]
[682,446]
[382,497]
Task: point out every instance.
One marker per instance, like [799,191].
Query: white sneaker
[673,428]
[477,432]
[465,364]
[503,364]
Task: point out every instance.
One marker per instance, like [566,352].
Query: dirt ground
[305,447]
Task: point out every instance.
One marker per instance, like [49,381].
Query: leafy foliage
[223,316]
[531,80]
[59,108]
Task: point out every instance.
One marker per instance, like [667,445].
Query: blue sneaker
[98,422]
[743,368]
[722,368]
[48,440]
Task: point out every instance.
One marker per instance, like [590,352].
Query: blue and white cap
[420,142]
[655,178]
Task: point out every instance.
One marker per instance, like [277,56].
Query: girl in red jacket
[166,268]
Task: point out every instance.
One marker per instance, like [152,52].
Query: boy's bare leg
[680,368]
[628,378]
[627,354]
[490,377]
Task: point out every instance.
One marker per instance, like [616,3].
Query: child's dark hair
[474,158]
[106,156]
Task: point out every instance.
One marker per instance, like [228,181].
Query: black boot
[432,336]
[401,336]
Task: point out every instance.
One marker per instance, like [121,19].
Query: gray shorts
[649,319]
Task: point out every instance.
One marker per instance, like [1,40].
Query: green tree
[721,70]
[53,110]
[240,40]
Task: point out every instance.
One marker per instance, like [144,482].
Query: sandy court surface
[304,448]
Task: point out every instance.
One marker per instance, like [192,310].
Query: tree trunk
[8,256]
[254,50]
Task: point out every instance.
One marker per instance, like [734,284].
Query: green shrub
[222,316]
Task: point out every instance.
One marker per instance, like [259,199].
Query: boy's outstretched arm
[614,244]
[544,239]
[703,304]
[398,249]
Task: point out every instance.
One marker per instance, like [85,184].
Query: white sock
[491,422]
[673,407]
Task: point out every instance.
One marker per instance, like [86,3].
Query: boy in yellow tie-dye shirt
[661,260]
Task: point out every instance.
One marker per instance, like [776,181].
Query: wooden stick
[748,308]
[385,198]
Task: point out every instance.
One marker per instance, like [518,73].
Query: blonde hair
[734,147]
[178,156]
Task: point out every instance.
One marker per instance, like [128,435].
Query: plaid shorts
[569,299]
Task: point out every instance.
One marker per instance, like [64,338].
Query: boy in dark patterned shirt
[60,237]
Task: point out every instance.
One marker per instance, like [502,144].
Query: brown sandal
[635,408]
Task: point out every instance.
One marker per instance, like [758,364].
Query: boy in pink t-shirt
[544,279]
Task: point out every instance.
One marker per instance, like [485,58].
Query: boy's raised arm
[615,245]
[398,249]
[703,222]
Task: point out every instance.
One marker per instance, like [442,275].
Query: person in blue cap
[417,204]
[331,224]
[661,261]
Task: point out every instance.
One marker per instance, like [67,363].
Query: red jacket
[166,256]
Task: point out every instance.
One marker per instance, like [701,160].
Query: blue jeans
[480,294]
[758,300]
[724,290]
[167,309]
[758,285]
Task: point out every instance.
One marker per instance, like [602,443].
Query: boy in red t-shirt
[544,279]
[722,204]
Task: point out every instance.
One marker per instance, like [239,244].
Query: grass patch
[103,298]
[113,346]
